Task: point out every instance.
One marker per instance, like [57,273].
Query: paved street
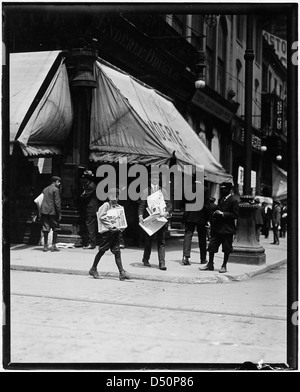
[74,318]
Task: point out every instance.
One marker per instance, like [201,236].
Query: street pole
[246,247]
[249,57]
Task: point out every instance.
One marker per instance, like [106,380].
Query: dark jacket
[143,202]
[225,224]
[259,216]
[51,204]
[89,196]
[276,215]
[202,216]
[267,214]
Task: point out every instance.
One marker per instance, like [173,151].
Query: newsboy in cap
[90,201]
[51,212]
[222,227]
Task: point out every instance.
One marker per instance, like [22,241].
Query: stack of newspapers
[156,206]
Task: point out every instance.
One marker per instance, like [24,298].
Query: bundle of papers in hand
[156,206]
[115,217]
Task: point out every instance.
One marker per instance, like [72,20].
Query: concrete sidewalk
[78,261]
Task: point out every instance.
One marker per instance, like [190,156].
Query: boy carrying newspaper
[111,221]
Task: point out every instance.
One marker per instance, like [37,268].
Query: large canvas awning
[279,189]
[41,112]
[132,120]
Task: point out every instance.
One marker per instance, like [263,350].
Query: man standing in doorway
[223,227]
[51,212]
[90,208]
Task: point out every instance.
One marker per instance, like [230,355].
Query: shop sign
[204,102]
[279,115]
[280,46]
[256,141]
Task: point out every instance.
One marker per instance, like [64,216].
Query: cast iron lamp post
[247,249]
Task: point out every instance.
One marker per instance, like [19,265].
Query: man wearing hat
[51,212]
[223,227]
[276,218]
[160,234]
[90,208]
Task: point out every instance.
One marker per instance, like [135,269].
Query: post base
[246,257]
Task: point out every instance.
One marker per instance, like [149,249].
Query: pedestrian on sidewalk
[258,218]
[223,227]
[90,201]
[199,220]
[160,234]
[51,212]
[110,239]
[267,216]
[276,219]
[212,207]
[283,222]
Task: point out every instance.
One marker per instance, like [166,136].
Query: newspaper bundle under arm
[156,203]
[153,223]
[115,216]
[156,206]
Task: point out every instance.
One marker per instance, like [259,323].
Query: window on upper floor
[239,87]
[240,24]
[210,56]
[270,82]
[258,42]
[221,61]
[196,29]
[179,23]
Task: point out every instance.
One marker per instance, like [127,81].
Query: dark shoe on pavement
[124,275]
[185,261]
[207,267]
[162,266]
[222,270]
[45,249]
[146,264]
[94,273]
[89,247]
[203,261]
[54,248]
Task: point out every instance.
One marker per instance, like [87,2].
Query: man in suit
[283,223]
[160,234]
[223,227]
[258,218]
[90,208]
[51,212]
[276,218]
[267,215]
[200,220]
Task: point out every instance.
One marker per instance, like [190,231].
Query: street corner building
[123,88]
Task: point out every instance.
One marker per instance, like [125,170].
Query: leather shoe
[162,266]
[222,270]
[124,275]
[146,264]
[207,267]
[185,261]
[89,247]
[94,273]
[203,262]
